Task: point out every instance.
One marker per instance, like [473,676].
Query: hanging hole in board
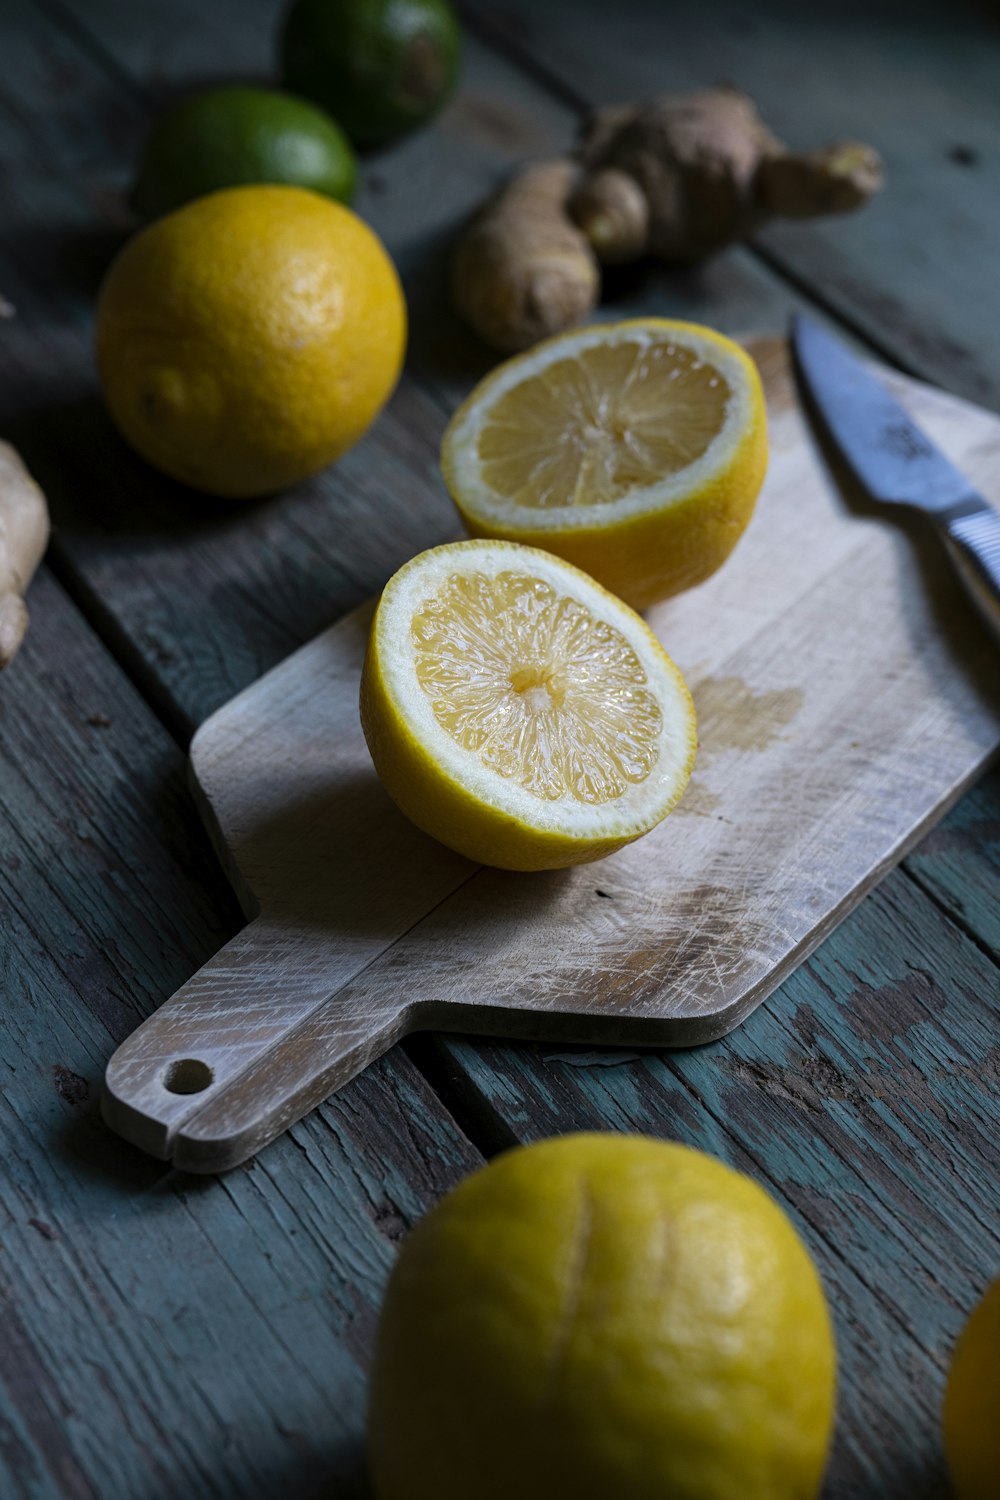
[187,1075]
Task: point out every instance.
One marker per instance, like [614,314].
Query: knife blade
[896,463]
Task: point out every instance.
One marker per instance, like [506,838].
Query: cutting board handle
[245,1048]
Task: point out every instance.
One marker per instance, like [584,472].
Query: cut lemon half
[520,713]
[634,450]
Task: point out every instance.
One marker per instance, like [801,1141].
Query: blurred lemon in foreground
[972,1404]
[603,1317]
[248,339]
[518,712]
[634,450]
[224,137]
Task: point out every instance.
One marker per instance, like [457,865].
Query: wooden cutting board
[846,695]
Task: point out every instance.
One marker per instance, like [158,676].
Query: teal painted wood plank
[161,1335]
[915,269]
[170,656]
[864,1094]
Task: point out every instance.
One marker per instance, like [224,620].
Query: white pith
[461,450]
[643,803]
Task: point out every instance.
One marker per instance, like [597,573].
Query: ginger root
[677,178]
[522,269]
[24,533]
[709,172]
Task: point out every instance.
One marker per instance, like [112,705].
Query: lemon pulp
[633,450]
[593,428]
[539,689]
[518,712]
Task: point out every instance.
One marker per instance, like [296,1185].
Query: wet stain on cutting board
[731,716]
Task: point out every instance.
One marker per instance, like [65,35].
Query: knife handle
[973,540]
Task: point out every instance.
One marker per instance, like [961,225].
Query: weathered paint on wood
[258,587]
[155,1339]
[959,863]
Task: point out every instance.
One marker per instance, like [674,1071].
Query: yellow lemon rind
[971,1441]
[603,1315]
[440,800]
[249,338]
[666,537]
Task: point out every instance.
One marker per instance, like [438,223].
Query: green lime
[381,66]
[231,136]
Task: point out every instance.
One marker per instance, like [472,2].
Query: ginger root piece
[707,172]
[613,212]
[24,533]
[832,180]
[522,269]
[678,178]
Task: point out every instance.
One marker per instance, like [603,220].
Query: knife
[896,463]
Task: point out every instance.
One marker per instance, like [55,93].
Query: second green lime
[382,67]
[237,135]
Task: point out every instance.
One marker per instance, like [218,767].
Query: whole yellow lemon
[248,339]
[603,1317]
[972,1402]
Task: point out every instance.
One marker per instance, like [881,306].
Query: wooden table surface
[162,1335]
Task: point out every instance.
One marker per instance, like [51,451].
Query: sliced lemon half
[634,450]
[520,713]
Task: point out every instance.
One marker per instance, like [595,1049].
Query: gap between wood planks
[954,917]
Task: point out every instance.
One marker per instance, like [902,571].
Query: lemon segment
[518,712]
[634,450]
